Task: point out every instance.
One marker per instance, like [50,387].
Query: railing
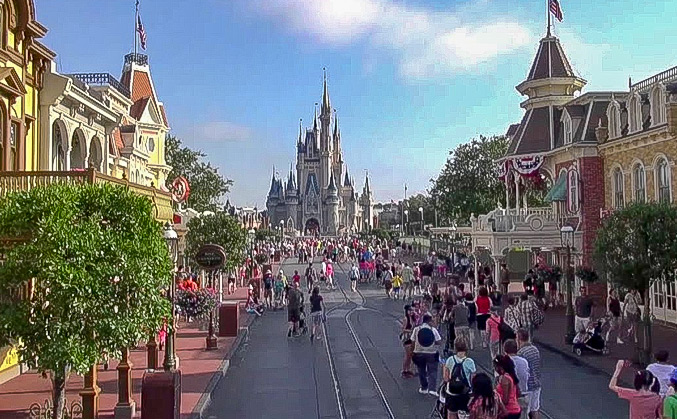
[101,79]
[140,59]
[665,75]
[23,181]
[500,220]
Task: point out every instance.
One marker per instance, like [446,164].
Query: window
[573,191]
[613,114]
[663,181]
[618,186]
[58,149]
[13,141]
[639,181]
[568,134]
[657,101]
[151,144]
[137,176]
[77,152]
[635,113]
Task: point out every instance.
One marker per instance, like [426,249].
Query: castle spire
[300,130]
[367,189]
[326,105]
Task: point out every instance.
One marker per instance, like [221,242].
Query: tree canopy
[222,229]
[207,185]
[83,275]
[413,203]
[468,182]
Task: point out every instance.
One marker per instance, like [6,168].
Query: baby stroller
[303,325]
[440,409]
[591,340]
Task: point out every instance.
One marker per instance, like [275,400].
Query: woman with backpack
[485,402]
[507,386]
[458,374]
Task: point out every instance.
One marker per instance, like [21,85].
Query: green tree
[468,183]
[222,229]
[207,185]
[83,277]
[636,247]
[413,203]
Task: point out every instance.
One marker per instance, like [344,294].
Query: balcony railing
[101,79]
[500,220]
[668,74]
[140,59]
[23,181]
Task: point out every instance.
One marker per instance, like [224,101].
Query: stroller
[591,340]
[303,325]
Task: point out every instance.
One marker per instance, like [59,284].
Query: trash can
[229,319]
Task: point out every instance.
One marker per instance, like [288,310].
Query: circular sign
[210,257]
[180,189]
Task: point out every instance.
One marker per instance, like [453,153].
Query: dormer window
[657,101]
[635,113]
[613,114]
[568,127]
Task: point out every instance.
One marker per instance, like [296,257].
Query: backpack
[458,381]
[425,337]
[537,315]
[505,332]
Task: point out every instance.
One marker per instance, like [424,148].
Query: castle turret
[332,202]
[367,204]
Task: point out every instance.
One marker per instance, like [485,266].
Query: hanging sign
[180,190]
[210,257]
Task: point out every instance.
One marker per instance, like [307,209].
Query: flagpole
[547,11]
[136,19]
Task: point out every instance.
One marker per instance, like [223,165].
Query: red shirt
[483,305]
[297,278]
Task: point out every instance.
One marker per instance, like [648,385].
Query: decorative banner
[527,166]
[503,168]
[180,190]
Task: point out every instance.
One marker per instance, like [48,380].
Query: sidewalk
[551,336]
[201,371]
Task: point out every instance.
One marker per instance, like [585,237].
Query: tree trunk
[647,343]
[59,392]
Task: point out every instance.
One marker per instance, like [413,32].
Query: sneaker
[619,341]
[433,393]
[289,333]
[312,337]
[422,391]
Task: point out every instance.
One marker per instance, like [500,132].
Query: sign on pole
[210,257]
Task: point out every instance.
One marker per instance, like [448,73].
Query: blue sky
[410,79]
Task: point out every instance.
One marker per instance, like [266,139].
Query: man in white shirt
[426,341]
[662,370]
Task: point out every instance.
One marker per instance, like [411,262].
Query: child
[303,327]
[397,285]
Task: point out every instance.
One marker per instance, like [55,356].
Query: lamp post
[172,240]
[406,214]
[567,237]
[420,209]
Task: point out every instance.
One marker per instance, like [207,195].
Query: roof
[138,107]
[142,87]
[117,138]
[164,115]
[550,61]
[533,134]
[512,129]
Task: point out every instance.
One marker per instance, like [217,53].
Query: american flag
[556,9]
[142,32]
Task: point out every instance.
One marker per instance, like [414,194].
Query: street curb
[206,398]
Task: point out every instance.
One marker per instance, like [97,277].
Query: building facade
[638,142]
[318,196]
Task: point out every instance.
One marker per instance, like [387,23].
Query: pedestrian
[231,284]
[483,303]
[459,315]
[407,343]
[354,276]
[329,273]
[632,313]
[397,286]
[311,276]
[296,278]
[528,312]
[662,370]
[493,332]
[584,309]
[279,287]
[614,310]
[512,315]
[268,288]
[645,402]
[528,283]
[294,310]
[437,303]
[472,318]
[507,386]
[459,371]
[670,402]
[388,281]
[316,313]
[485,402]
[522,371]
[426,341]
[505,279]
[533,357]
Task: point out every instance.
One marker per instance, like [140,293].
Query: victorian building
[318,196]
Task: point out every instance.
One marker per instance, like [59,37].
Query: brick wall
[592,186]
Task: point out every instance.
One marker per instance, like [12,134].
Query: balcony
[101,79]
[140,59]
[23,181]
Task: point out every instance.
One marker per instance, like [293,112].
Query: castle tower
[292,200]
[332,203]
[325,140]
[367,204]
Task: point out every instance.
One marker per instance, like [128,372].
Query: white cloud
[425,43]
[222,131]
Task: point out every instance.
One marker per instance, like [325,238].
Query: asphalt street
[355,373]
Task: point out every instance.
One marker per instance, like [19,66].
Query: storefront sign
[9,357]
[210,257]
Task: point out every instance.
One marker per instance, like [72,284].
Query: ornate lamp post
[567,237]
[172,240]
[406,214]
[420,210]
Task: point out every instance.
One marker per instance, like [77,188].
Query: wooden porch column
[517,192]
[126,407]
[90,395]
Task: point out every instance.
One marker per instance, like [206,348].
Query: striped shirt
[533,357]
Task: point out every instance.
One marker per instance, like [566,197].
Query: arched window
[635,113]
[613,114]
[95,156]
[58,148]
[13,144]
[618,188]
[138,176]
[639,182]
[568,134]
[78,151]
[573,191]
[663,181]
[657,101]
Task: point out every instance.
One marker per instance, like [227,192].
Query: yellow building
[639,148]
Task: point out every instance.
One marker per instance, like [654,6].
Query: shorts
[293,315]
[482,321]
[457,402]
[396,289]
[316,318]
[534,398]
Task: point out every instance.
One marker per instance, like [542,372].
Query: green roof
[558,192]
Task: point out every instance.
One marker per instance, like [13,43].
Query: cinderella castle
[319,196]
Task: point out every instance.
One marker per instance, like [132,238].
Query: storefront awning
[558,192]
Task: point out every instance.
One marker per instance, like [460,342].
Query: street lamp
[251,236]
[172,240]
[567,237]
[406,229]
[420,209]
